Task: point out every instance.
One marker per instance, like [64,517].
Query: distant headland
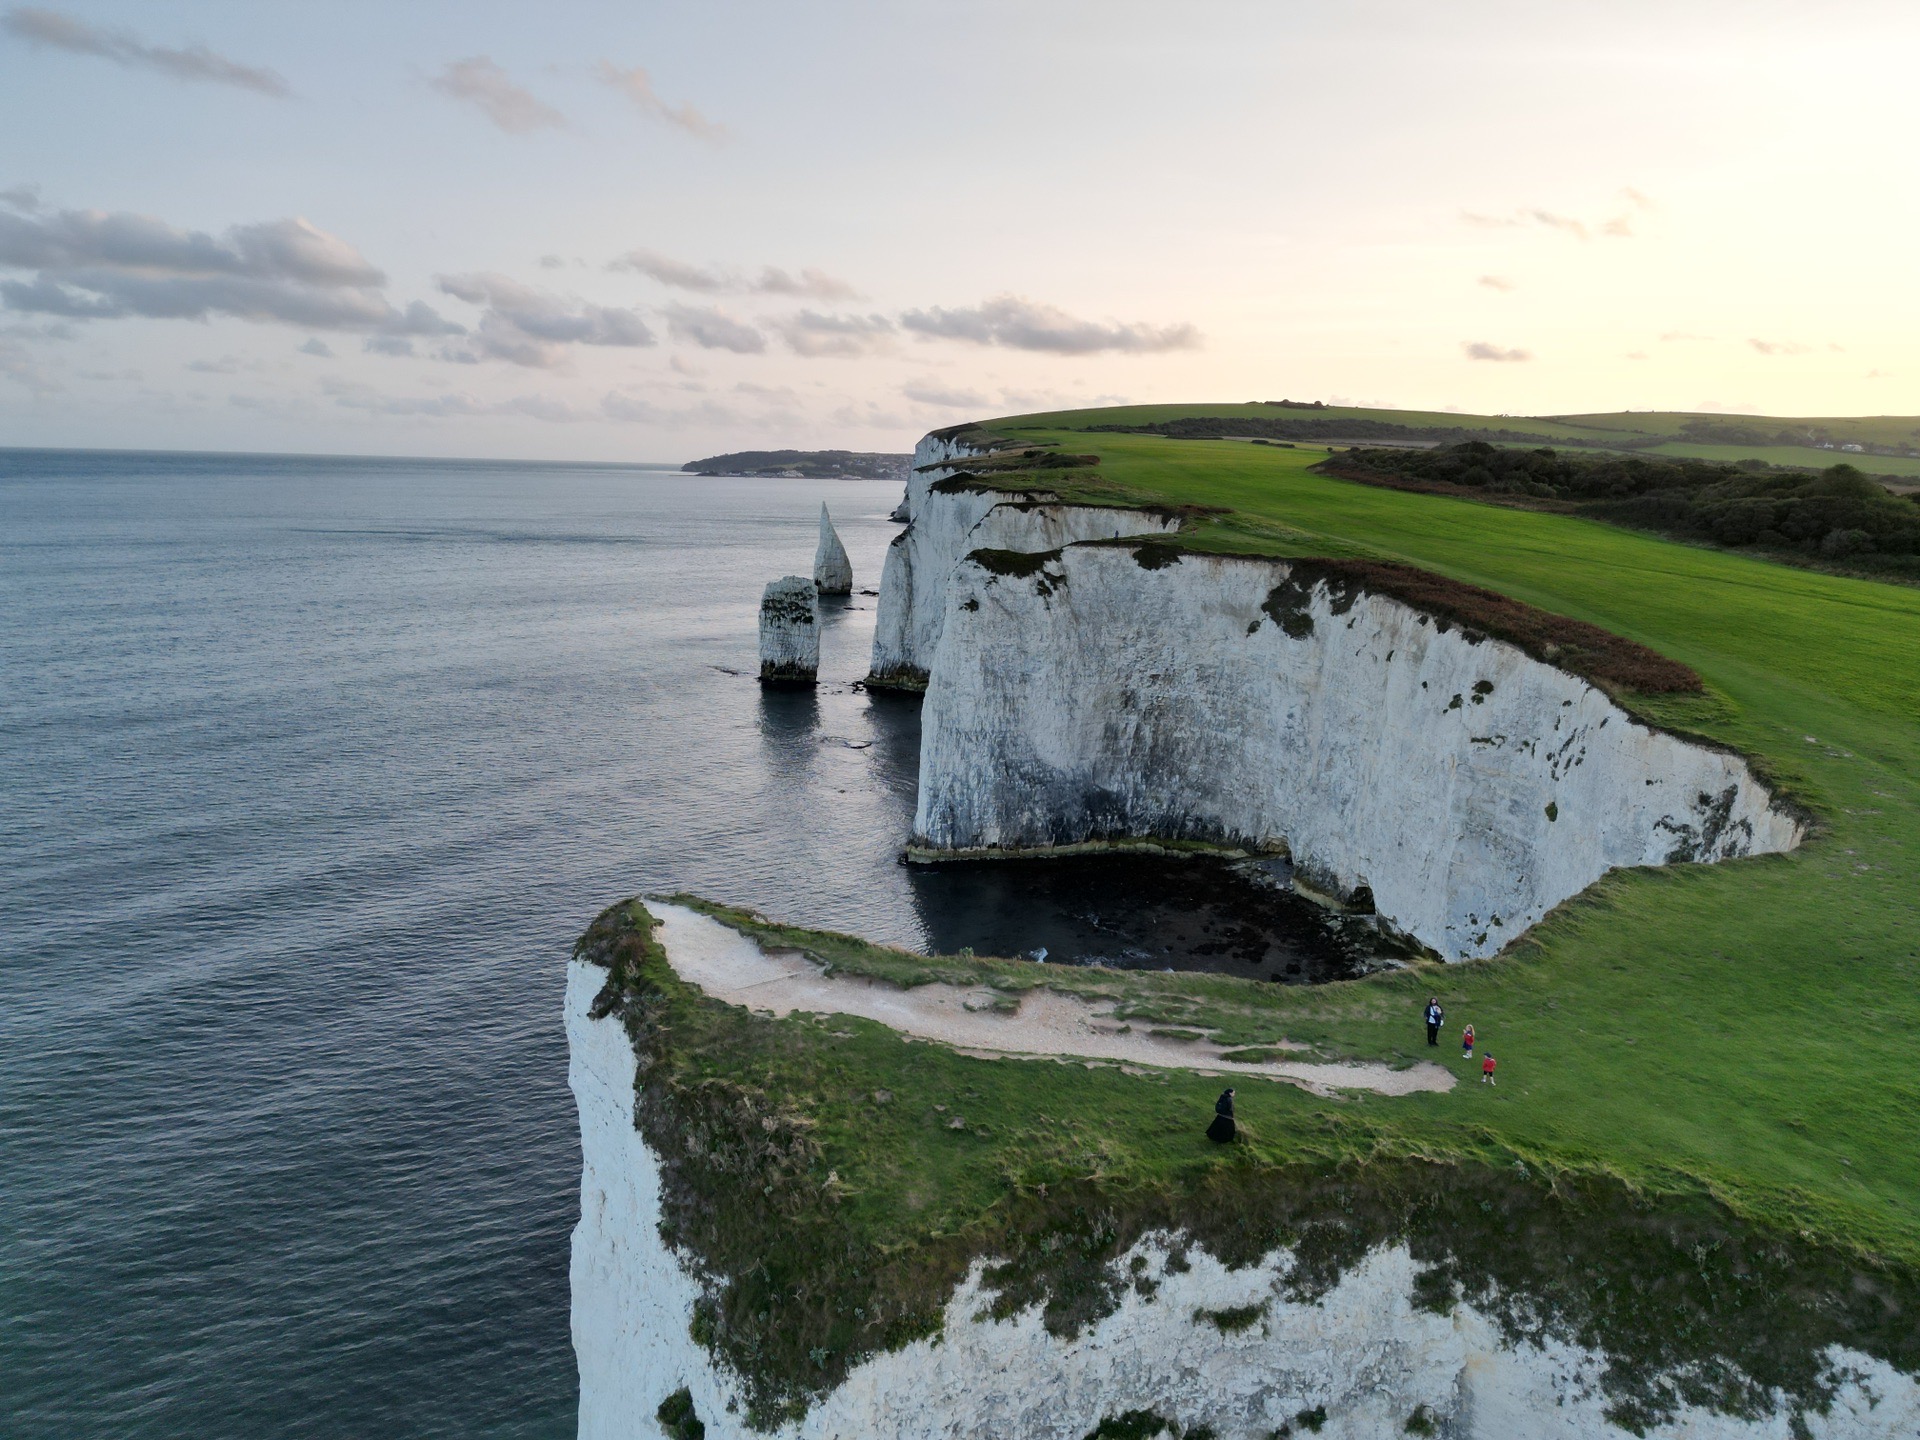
[805,465]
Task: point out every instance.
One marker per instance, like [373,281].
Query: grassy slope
[1625,428]
[1752,1026]
[1800,456]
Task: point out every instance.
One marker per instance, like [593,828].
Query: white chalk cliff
[790,631]
[951,519]
[1467,786]
[1362,1352]
[832,570]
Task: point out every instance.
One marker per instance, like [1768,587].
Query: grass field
[1802,456]
[1744,1037]
[1754,1026]
[1648,432]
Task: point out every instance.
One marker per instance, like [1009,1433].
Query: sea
[311,770]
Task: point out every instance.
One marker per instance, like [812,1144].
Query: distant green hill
[1888,445]
[807,464]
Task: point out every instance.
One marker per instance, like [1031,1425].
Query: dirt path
[732,967]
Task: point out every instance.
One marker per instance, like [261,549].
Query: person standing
[1222,1128]
[1435,1015]
[1486,1069]
[1466,1043]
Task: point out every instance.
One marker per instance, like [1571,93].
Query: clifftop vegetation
[1838,517]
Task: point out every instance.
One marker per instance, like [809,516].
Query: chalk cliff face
[951,520]
[1362,1353]
[1465,786]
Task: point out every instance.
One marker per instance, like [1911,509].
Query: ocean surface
[310,772]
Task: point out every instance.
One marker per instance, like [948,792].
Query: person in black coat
[1222,1130]
[1434,1016]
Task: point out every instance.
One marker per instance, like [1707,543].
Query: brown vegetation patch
[1587,650]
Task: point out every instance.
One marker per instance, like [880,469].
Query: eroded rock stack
[789,632]
[832,571]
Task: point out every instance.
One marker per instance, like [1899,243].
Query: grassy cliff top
[1754,1025]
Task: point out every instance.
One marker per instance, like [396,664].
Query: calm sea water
[310,771]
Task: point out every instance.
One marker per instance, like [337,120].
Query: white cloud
[810,284]
[316,346]
[1497,282]
[638,87]
[1482,350]
[714,280]
[1021,324]
[93,265]
[479,82]
[531,327]
[713,329]
[54,31]
[812,334]
[678,274]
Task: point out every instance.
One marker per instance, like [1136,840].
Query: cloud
[1021,324]
[712,280]
[1619,227]
[678,274]
[316,346]
[811,284]
[713,329]
[225,365]
[842,336]
[1779,347]
[92,265]
[55,31]
[1636,355]
[1482,350]
[352,395]
[638,88]
[1496,282]
[531,327]
[949,399]
[1560,222]
[1672,335]
[481,83]
[551,262]
[24,198]
[398,346]
[1638,200]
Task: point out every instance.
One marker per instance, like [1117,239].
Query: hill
[805,464]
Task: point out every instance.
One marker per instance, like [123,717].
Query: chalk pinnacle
[832,571]
[789,632]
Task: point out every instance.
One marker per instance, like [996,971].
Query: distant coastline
[806,465]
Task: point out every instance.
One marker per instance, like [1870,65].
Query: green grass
[1752,1026]
[1805,457]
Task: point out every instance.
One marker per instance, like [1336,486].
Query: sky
[646,232]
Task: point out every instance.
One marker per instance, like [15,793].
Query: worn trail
[732,967]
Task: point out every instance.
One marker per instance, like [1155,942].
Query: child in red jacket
[1466,1043]
[1486,1070]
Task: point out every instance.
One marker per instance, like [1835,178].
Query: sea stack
[832,571]
[789,632]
